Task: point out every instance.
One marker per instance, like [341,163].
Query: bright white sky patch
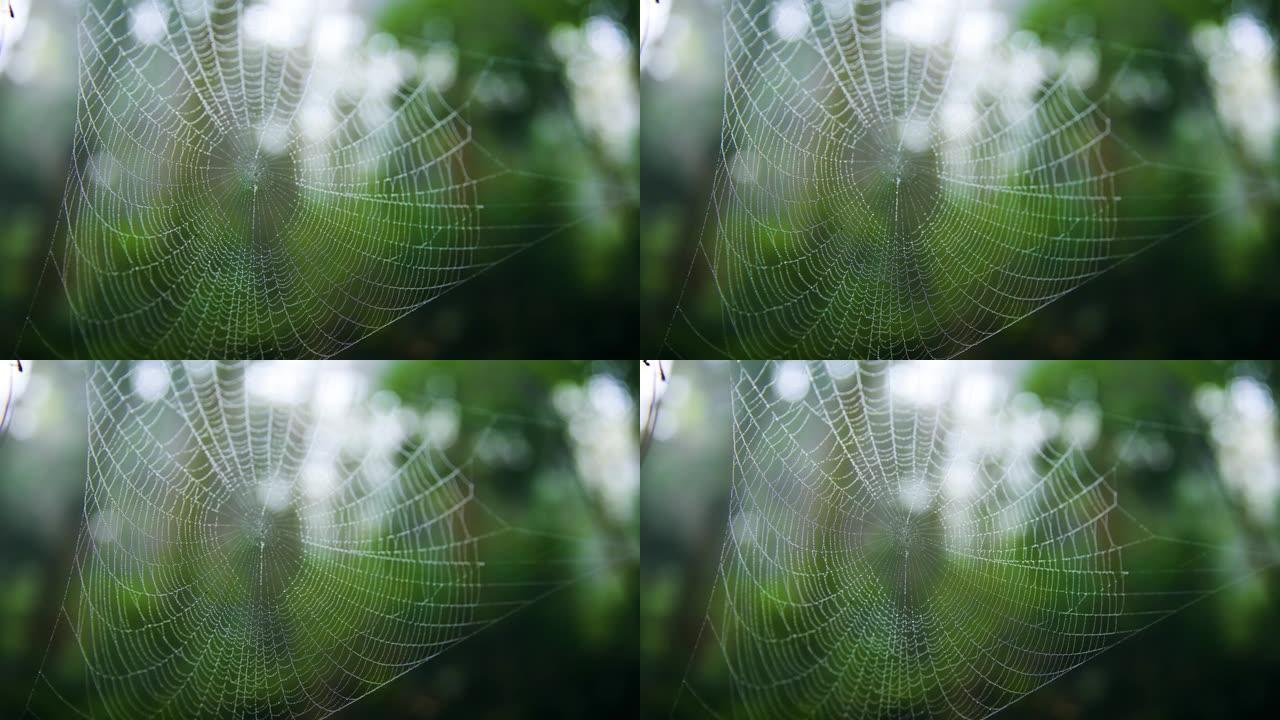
[922,22]
[791,380]
[599,65]
[605,450]
[336,35]
[977,32]
[318,479]
[147,22]
[151,380]
[1241,60]
[277,381]
[280,23]
[961,480]
[789,19]
[1243,425]
[922,383]
[1249,38]
[440,67]
[977,394]
[606,39]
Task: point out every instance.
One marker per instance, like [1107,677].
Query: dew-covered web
[255,545]
[251,184]
[903,547]
[906,179]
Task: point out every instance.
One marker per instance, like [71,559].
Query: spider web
[888,191]
[890,556]
[246,554]
[234,194]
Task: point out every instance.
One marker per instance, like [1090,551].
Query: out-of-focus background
[1199,88]
[1184,438]
[552,448]
[554,93]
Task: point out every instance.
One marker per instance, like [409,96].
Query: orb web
[240,189]
[888,555]
[899,180]
[253,548]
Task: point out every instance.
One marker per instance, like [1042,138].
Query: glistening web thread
[251,552]
[244,185]
[896,548]
[905,180]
